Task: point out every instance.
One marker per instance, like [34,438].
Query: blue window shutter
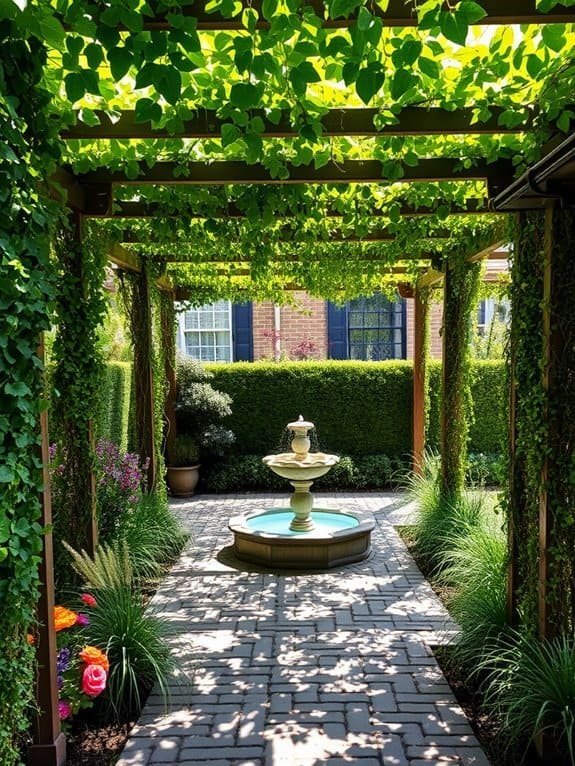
[337,331]
[242,332]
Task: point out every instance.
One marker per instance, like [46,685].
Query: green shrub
[359,408]
[485,469]
[115,410]
[248,473]
[532,689]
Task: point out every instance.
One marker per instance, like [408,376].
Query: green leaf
[94,55]
[342,8]
[428,67]
[75,87]
[6,474]
[410,51]
[269,8]
[534,65]
[554,36]
[369,81]
[120,60]
[147,110]
[403,80]
[471,11]
[244,95]
[170,84]
[454,26]
[364,19]
[301,75]
[51,30]
[230,133]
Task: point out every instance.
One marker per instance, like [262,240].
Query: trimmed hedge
[359,408]
[115,407]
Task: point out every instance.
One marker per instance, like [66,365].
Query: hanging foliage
[78,380]
[28,151]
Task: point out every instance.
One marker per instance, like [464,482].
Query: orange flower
[30,639]
[93,656]
[64,618]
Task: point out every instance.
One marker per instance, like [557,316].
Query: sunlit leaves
[301,75]
[369,81]
[245,95]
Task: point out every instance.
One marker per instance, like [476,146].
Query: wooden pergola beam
[377,235]
[485,252]
[498,173]
[398,14]
[288,258]
[140,209]
[411,121]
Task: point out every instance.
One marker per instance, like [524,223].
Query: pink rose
[64,710]
[94,680]
[88,599]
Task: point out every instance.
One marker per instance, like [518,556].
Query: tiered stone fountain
[296,538]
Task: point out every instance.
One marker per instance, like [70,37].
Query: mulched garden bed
[93,744]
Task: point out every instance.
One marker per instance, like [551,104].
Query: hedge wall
[359,408]
[113,422]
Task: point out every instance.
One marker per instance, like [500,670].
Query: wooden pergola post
[419,376]
[49,742]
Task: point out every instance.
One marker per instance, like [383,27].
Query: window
[218,332]
[371,329]
[492,311]
[206,332]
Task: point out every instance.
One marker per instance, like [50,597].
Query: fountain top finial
[300,425]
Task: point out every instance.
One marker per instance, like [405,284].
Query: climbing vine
[28,151]
[525,352]
[81,307]
[461,286]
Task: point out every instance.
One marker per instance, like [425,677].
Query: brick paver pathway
[320,669]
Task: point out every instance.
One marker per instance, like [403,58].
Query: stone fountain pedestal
[301,537]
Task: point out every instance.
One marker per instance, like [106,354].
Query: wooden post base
[53,754]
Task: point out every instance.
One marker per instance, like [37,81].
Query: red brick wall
[436,316]
[309,323]
[301,325]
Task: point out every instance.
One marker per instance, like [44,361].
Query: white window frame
[181,333]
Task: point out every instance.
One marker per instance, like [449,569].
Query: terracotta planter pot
[183,481]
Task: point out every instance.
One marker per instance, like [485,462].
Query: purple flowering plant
[119,483]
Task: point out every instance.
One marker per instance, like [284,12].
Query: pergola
[455,230]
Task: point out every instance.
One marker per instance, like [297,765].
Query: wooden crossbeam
[498,173]
[399,13]
[125,209]
[289,236]
[486,251]
[411,121]
[288,258]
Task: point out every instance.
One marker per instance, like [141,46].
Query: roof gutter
[530,182]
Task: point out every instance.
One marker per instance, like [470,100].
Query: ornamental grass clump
[475,561]
[531,687]
[438,518]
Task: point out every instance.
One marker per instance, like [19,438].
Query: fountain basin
[265,538]
[314,465]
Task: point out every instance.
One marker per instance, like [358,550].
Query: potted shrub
[199,409]
[183,469]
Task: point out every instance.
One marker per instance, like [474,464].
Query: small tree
[200,408]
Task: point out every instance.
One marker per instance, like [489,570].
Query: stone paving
[302,669]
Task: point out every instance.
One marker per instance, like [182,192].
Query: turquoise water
[278,523]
